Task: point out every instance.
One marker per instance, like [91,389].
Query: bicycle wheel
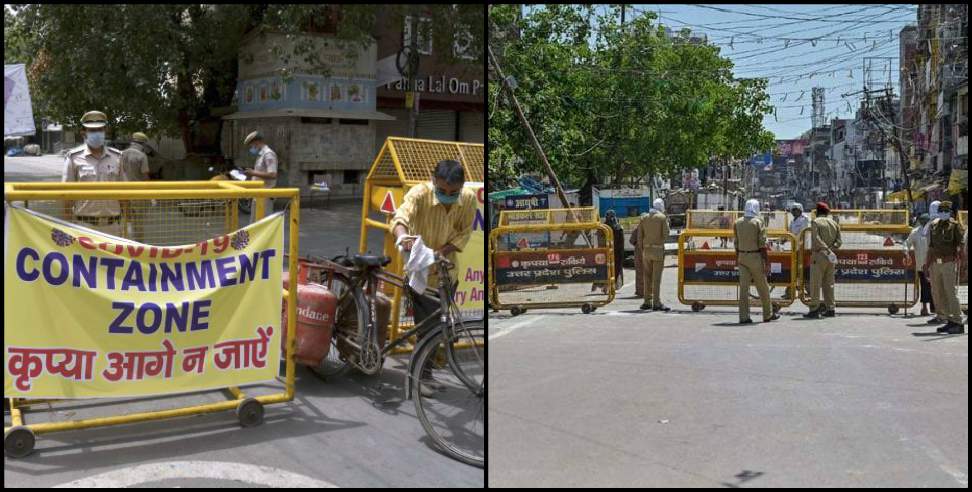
[455,416]
[348,319]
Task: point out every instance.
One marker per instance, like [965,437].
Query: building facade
[450,87]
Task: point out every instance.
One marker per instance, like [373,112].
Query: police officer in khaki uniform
[824,240]
[945,248]
[652,233]
[751,261]
[639,262]
[135,166]
[94,161]
[265,168]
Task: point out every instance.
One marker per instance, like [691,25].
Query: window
[424,38]
[315,121]
[344,121]
[351,177]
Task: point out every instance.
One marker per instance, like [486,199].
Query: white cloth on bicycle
[418,262]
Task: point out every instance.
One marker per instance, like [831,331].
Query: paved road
[33,168]
[355,431]
[681,399]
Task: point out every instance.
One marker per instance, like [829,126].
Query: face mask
[95,139]
[254,151]
[446,199]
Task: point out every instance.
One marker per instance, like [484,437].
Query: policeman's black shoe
[935,321]
[746,322]
[942,329]
[775,316]
[661,307]
[955,328]
[813,314]
[645,307]
[828,314]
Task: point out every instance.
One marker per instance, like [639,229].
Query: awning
[309,113]
[501,195]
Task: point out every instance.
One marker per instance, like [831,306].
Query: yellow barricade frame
[162,190]
[963,218]
[699,304]
[588,305]
[893,305]
[691,218]
[401,164]
[859,213]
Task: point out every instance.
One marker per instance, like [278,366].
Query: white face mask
[95,139]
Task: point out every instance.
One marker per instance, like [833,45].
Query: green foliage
[164,68]
[611,102]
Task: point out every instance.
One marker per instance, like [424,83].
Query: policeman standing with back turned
[824,240]
[751,260]
[652,232]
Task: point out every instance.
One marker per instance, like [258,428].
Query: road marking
[212,470]
[943,463]
[509,329]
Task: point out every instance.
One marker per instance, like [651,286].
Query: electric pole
[533,139]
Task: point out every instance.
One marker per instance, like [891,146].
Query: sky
[800,47]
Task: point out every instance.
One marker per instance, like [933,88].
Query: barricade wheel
[249,412]
[697,306]
[18,442]
[893,309]
[587,309]
[776,307]
[516,311]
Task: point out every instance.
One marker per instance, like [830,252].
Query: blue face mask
[254,151]
[446,199]
[95,139]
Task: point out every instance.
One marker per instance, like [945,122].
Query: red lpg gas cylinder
[315,322]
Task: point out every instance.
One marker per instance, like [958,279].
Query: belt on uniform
[98,220]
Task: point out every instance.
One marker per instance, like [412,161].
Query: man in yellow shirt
[441,212]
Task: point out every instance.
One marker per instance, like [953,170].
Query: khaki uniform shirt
[134,164]
[424,215]
[652,232]
[750,234]
[824,234]
[266,162]
[946,238]
[81,165]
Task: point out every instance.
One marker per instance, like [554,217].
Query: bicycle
[450,352]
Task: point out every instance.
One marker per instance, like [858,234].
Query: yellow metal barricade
[573,268]
[776,220]
[401,164]
[707,273]
[869,217]
[167,213]
[874,267]
[963,277]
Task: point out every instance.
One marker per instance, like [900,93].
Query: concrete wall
[331,151]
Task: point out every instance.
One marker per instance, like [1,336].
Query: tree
[616,102]
[171,67]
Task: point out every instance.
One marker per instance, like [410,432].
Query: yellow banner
[92,315]
[471,270]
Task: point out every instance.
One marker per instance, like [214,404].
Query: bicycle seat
[370,260]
